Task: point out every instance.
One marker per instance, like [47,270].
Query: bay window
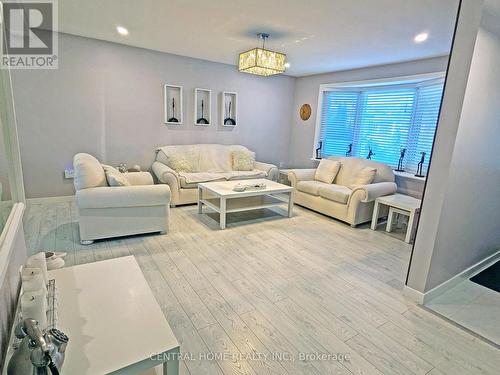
[378,120]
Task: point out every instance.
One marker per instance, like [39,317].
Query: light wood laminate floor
[269,289]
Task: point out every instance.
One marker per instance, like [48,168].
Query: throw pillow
[243,160]
[182,162]
[327,171]
[365,176]
[114,176]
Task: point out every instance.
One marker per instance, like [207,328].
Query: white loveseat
[210,162]
[106,211]
[342,200]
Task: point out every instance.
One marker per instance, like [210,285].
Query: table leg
[290,204]
[200,197]
[376,209]
[409,229]
[389,220]
[222,213]
[171,367]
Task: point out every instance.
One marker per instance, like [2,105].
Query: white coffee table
[400,204]
[113,321]
[221,197]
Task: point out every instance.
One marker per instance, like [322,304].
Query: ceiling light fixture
[287,65]
[422,37]
[261,61]
[121,30]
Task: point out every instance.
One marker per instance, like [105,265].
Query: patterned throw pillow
[243,160]
[114,176]
[182,161]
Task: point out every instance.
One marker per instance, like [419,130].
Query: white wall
[107,99]
[307,89]
[461,211]
[469,227]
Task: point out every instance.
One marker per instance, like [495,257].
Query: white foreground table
[113,321]
[400,204]
[224,199]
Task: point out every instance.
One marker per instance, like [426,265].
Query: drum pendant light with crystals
[261,61]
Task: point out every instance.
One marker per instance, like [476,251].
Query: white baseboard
[61,199]
[423,298]
[414,295]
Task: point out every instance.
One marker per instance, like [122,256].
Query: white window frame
[410,80]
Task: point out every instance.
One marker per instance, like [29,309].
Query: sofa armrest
[296,175]
[270,169]
[139,178]
[164,173]
[369,193]
[123,196]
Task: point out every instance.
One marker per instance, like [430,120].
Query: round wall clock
[305,112]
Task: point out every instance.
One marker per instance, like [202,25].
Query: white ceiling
[317,35]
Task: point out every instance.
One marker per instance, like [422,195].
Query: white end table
[283,176]
[400,204]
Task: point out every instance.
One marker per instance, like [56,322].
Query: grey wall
[307,89]
[469,226]
[107,99]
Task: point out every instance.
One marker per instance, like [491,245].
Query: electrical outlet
[69,173]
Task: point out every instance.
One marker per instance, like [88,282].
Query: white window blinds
[384,125]
[338,120]
[381,119]
[426,117]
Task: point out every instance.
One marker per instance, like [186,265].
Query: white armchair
[106,211]
[341,200]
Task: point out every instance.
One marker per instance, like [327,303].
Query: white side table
[400,204]
[283,176]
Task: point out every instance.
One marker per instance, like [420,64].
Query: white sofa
[106,211]
[211,162]
[341,200]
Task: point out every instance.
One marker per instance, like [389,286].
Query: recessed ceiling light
[121,30]
[422,37]
[287,65]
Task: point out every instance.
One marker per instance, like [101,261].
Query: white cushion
[327,170]
[364,176]
[191,180]
[114,176]
[336,193]
[88,172]
[310,187]
[352,165]
[244,175]
[243,160]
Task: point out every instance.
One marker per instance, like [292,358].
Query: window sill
[405,175]
[409,176]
